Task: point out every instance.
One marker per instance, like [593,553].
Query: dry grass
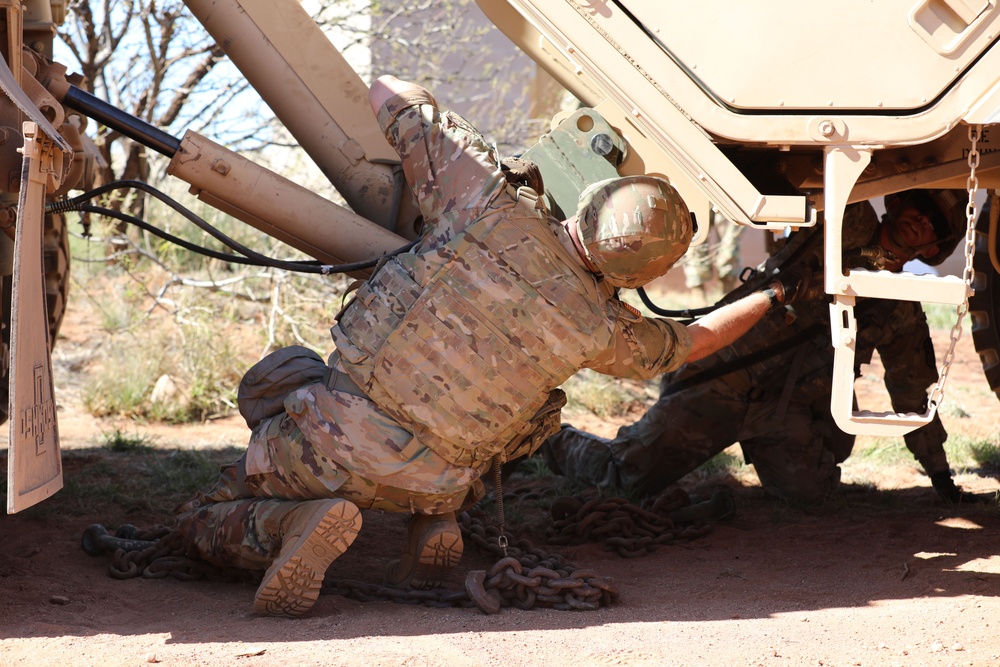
[191,326]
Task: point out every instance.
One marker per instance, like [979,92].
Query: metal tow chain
[523,576]
[529,576]
[632,530]
[152,554]
[968,275]
[526,577]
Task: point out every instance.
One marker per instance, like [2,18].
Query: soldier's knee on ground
[231,485]
[804,489]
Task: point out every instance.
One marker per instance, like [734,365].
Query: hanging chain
[498,493]
[968,275]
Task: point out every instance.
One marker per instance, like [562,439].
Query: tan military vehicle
[772,112]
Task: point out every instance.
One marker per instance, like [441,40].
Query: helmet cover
[633,229]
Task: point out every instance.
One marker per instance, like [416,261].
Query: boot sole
[439,555]
[292,584]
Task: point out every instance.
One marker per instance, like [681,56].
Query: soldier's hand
[949,491]
[519,171]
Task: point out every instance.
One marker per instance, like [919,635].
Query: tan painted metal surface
[851,54]
[277,205]
[317,95]
[756,102]
[34,469]
[769,111]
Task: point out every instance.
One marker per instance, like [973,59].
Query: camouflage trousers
[794,448]
[721,258]
[241,520]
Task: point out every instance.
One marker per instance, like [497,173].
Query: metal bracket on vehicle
[34,470]
[842,167]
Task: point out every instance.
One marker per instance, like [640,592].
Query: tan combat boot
[433,548]
[313,535]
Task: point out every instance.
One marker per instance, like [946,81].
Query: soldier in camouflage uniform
[449,357]
[721,259]
[778,408]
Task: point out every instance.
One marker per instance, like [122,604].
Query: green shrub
[118,441]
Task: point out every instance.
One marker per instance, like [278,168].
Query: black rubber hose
[113,117]
[79,203]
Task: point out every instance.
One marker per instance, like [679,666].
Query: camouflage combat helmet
[947,212]
[633,229]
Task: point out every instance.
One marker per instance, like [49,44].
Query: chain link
[968,275]
[522,576]
[633,530]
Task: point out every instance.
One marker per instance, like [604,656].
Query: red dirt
[877,577]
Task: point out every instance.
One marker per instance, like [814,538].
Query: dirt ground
[884,575]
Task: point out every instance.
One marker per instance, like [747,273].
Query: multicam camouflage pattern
[244,534]
[723,256]
[777,409]
[633,229]
[232,525]
[461,340]
[470,333]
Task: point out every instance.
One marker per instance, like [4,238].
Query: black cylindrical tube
[132,127]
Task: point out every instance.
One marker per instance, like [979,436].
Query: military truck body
[779,114]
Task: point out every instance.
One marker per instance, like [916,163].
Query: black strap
[728,367]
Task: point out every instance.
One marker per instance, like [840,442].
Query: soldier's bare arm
[645,347]
[724,326]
